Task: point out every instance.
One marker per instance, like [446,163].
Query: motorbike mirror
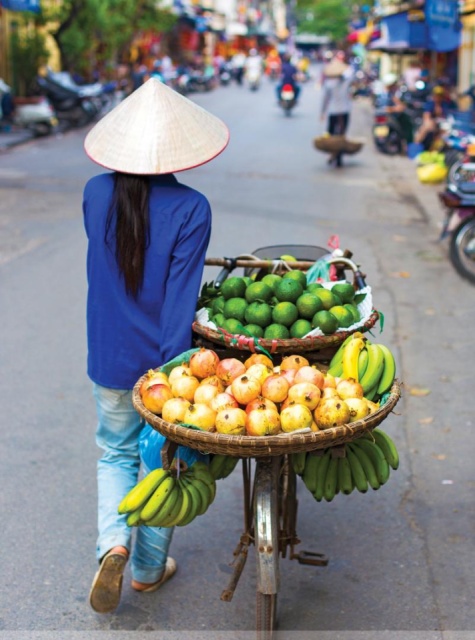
[420,84]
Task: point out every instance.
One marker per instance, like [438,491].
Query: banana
[362,362]
[321,475]
[166,510]
[142,491]
[193,505]
[185,506]
[345,482]
[157,499]
[374,369]
[196,498]
[387,446]
[230,464]
[298,461]
[203,474]
[336,370]
[309,475]
[368,467]
[357,472]
[338,356]
[371,393]
[133,519]
[376,455]
[216,466]
[331,478]
[205,492]
[350,358]
[389,371]
[173,512]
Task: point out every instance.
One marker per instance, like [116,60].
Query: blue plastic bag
[150,446]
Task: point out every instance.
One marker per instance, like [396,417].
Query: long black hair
[130,210]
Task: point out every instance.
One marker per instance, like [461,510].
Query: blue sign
[21,5]
[443,13]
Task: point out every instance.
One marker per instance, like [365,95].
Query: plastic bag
[150,446]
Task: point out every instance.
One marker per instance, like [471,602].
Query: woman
[336,100]
[147,238]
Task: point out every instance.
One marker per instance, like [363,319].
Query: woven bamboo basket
[291,345]
[255,447]
[336,144]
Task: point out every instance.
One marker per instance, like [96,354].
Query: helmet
[389,79]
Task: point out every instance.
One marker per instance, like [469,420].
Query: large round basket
[329,144]
[293,345]
[255,447]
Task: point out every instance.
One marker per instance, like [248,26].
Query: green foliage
[28,53]
[324,17]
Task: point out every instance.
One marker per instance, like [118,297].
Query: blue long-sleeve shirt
[128,336]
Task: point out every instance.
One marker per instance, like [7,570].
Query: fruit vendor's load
[283,307]
[256,398]
[167,498]
[363,463]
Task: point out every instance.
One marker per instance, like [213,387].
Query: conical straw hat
[334,68]
[156,130]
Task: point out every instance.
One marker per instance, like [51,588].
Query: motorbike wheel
[462,249]
[393,144]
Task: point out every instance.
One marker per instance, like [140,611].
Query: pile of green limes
[282,307]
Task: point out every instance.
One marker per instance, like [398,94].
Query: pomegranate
[289,375]
[258,358]
[331,412]
[259,371]
[205,393]
[153,377]
[275,388]
[373,406]
[294,417]
[231,421]
[349,388]
[214,380]
[185,387]
[179,371]
[329,381]
[245,389]
[330,392]
[261,403]
[174,410]
[262,422]
[229,369]
[287,403]
[201,416]
[155,396]
[359,408]
[223,401]
[203,363]
[293,362]
[305,393]
[310,374]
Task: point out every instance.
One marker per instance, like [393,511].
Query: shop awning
[21,5]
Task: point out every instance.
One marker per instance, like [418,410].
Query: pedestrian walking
[147,238]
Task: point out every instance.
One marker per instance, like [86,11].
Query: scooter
[459,225]
[253,77]
[75,106]
[34,113]
[287,99]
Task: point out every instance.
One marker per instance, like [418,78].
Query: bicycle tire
[463,234]
[266,542]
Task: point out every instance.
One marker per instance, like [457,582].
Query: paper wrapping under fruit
[365,308]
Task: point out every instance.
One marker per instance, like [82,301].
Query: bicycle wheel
[266,540]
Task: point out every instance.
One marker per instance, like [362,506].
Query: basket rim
[313,343]
[247,446]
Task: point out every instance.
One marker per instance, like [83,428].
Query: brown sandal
[104,596]
[168,572]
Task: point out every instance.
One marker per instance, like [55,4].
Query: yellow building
[466,69]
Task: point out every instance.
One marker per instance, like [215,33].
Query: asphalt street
[401,558]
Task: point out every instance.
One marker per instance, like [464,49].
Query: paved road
[401,559]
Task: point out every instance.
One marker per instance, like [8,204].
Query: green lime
[297,275]
[345,290]
[233,287]
[255,330]
[288,258]
[247,280]
[235,308]
[300,328]
[258,291]
[276,332]
[308,304]
[344,317]
[328,299]
[258,313]
[313,286]
[217,304]
[271,279]
[288,290]
[325,321]
[219,319]
[285,313]
[353,309]
[232,325]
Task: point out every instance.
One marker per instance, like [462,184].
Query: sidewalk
[9,139]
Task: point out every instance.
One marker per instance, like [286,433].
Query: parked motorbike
[459,226]
[287,99]
[225,74]
[34,113]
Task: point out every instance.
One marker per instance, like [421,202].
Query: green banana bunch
[387,446]
[222,466]
[298,462]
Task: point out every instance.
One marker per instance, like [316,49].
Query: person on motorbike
[288,75]
[254,67]
[438,107]
[393,105]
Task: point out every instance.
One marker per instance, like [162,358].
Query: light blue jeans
[117,435]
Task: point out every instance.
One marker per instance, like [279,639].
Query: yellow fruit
[328,299]
[359,408]
[294,417]
[344,317]
[331,412]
